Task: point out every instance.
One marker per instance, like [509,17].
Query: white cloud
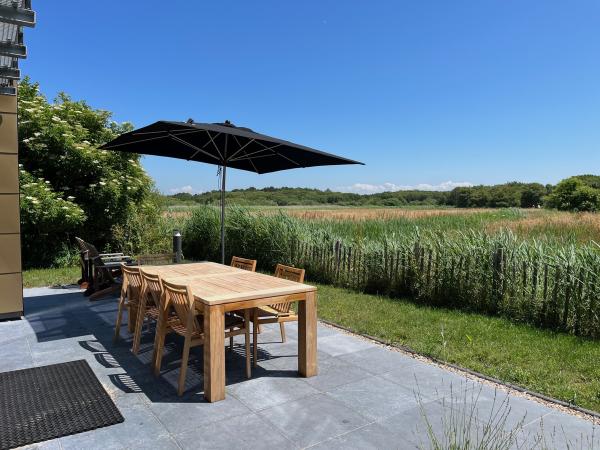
[365,188]
[187,189]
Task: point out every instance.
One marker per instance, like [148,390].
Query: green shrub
[579,193]
[58,143]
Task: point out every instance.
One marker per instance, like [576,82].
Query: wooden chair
[149,306]
[156,260]
[130,295]
[279,312]
[187,321]
[243,263]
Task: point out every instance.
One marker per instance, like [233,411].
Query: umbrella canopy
[225,145]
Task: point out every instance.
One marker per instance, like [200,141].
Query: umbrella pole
[223,169]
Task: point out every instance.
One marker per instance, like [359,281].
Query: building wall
[11,282]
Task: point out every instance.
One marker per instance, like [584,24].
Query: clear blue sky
[423,92]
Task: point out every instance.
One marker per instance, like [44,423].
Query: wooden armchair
[99,270]
[187,321]
[130,297]
[279,312]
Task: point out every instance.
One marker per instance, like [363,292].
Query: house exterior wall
[11,281]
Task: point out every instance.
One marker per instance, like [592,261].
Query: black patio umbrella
[225,145]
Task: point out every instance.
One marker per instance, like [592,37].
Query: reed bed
[444,260]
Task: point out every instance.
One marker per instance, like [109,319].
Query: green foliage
[579,193]
[286,196]
[509,195]
[59,143]
[46,217]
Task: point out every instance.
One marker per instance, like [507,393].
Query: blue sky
[428,93]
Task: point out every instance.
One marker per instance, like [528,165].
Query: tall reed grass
[450,264]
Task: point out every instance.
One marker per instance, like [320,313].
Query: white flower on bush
[93,185]
[70,197]
[37,134]
[56,119]
[102,183]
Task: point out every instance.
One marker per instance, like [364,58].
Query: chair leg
[255,335]
[139,324]
[282,329]
[131,318]
[184,364]
[247,336]
[119,319]
[159,344]
[230,340]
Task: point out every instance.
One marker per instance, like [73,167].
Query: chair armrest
[116,258]
[110,254]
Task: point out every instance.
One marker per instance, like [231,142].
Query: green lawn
[555,364]
[51,277]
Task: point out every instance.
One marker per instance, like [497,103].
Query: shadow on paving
[71,315]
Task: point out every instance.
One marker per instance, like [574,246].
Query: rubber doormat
[47,402]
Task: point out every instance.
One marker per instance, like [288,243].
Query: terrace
[365,395]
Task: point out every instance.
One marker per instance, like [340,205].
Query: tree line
[578,193]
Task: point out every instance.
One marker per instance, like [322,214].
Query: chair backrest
[243,263]
[81,244]
[152,287]
[179,297]
[156,260]
[132,281]
[92,251]
[287,273]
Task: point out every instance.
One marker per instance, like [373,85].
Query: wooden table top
[215,284]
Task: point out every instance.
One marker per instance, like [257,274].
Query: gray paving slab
[342,344]
[265,392]
[365,396]
[177,414]
[141,429]
[313,419]
[334,372]
[247,431]
[379,360]
[428,380]
[15,355]
[374,397]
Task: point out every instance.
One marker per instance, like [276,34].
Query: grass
[50,277]
[558,365]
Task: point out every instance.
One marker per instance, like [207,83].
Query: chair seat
[153,312]
[175,324]
[268,311]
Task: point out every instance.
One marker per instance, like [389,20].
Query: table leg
[307,335]
[214,353]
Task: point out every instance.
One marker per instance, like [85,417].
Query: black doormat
[51,401]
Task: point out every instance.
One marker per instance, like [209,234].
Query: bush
[46,220]
[578,193]
[58,145]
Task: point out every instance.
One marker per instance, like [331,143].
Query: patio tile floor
[366,396]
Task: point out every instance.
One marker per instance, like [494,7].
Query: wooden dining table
[218,289]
